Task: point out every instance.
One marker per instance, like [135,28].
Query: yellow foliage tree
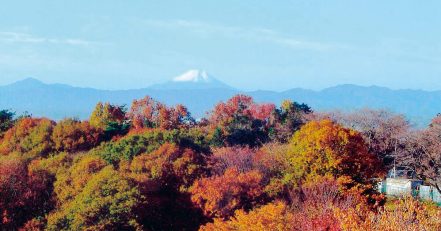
[323,148]
[70,182]
[275,216]
[30,137]
[52,164]
[398,215]
[105,114]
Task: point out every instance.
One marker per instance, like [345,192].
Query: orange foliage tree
[71,135]
[149,113]
[240,121]
[321,206]
[220,196]
[239,105]
[313,207]
[384,132]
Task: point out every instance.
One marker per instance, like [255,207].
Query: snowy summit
[193,76]
[193,79]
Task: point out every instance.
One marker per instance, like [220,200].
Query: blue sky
[249,44]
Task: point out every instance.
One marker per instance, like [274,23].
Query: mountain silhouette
[58,101]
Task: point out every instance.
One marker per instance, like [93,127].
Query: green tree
[107,202]
[6,121]
[217,139]
[287,119]
[135,144]
[71,181]
[110,118]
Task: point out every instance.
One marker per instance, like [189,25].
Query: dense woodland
[245,166]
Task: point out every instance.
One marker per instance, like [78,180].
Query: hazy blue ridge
[57,101]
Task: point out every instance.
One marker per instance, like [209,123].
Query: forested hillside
[244,166]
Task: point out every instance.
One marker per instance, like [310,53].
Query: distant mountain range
[200,92]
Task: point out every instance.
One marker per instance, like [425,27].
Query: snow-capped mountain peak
[193,79]
[193,76]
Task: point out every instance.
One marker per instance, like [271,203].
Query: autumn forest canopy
[244,166]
